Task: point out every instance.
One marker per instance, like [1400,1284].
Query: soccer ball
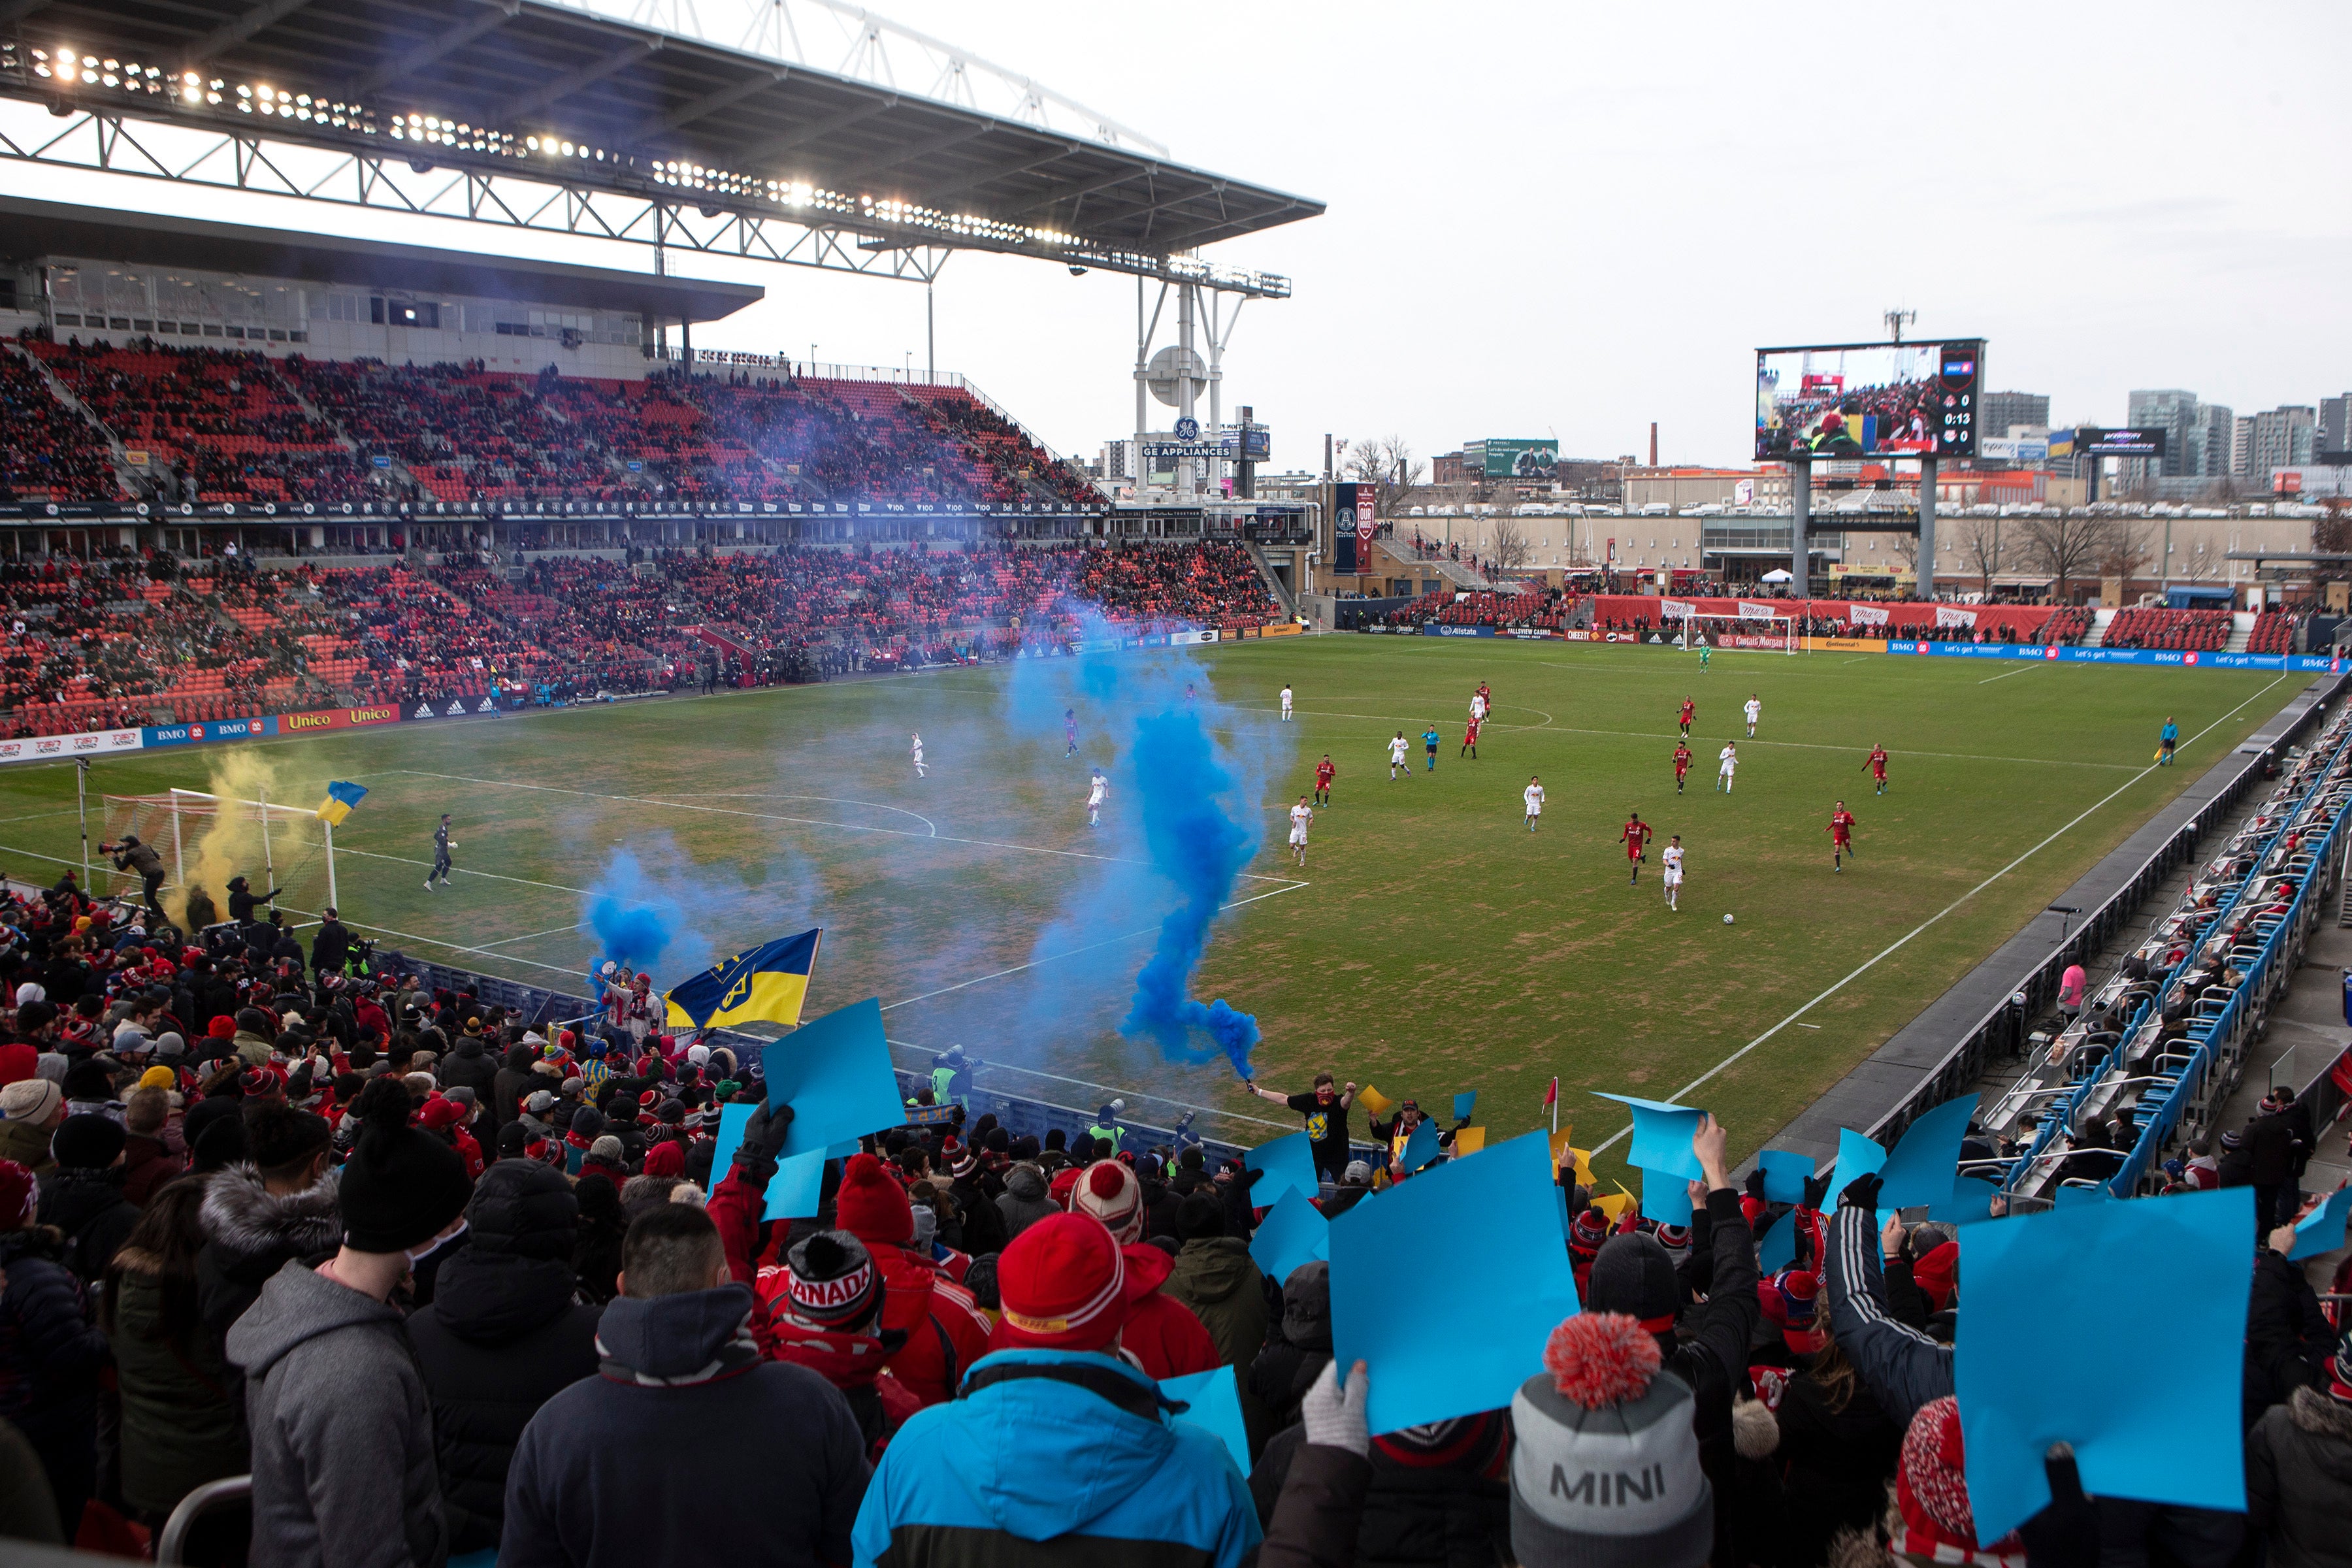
[1726,920]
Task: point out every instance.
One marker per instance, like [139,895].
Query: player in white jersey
[1478,706]
[1397,764]
[1673,861]
[1533,794]
[918,758]
[1300,816]
[1285,702]
[1726,763]
[1095,795]
[1755,711]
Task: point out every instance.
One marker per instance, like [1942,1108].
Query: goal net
[1757,628]
[204,840]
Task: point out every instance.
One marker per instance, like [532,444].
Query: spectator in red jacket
[1161,1334]
[946,1331]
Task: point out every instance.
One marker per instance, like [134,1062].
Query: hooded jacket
[1023,1200]
[502,1337]
[1160,1333]
[90,1211]
[180,1427]
[1296,1352]
[778,1463]
[29,1145]
[1216,1277]
[1054,1458]
[343,1434]
[2299,1480]
[50,1356]
[470,1067]
[250,1233]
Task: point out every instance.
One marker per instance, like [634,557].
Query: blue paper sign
[1776,1248]
[1665,1198]
[1442,1343]
[835,1074]
[1925,1160]
[1216,1408]
[1856,1156]
[1971,1203]
[799,1183]
[1786,1172]
[1290,1166]
[1421,1148]
[2039,1359]
[2073,1196]
[1293,1233]
[1463,1105]
[1662,1136]
[2323,1231]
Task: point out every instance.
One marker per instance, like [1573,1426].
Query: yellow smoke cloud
[229,843]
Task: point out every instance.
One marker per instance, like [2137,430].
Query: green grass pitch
[1430,944]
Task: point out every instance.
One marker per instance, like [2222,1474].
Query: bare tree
[1508,540]
[1978,543]
[2129,545]
[1389,466]
[2069,545]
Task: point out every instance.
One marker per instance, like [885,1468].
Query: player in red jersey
[1877,766]
[1323,772]
[1690,710]
[1841,836]
[1682,764]
[1635,838]
[1469,741]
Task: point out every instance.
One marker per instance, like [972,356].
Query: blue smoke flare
[635,923]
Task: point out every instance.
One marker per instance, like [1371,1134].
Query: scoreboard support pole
[1801,505]
[1926,571]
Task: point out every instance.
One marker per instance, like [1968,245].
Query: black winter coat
[50,1357]
[1414,1516]
[1834,1465]
[90,1211]
[2288,1339]
[503,1336]
[470,1067]
[250,1233]
[2270,1146]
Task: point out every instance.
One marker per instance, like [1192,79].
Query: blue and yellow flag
[340,798]
[767,984]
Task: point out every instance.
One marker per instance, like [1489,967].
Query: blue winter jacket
[1048,1458]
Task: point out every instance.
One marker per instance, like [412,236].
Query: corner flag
[340,798]
[769,982]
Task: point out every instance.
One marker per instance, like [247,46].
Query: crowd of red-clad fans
[126,641]
[218,426]
[449,1288]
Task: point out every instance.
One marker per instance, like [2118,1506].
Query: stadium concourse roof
[30,230]
[642,98]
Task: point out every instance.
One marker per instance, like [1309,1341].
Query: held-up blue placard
[2323,1231]
[1463,1103]
[1293,1233]
[1442,1343]
[1290,1166]
[1665,1198]
[1420,1148]
[1856,1156]
[1776,1248]
[1216,1408]
[2040,1359]
[1786,1172]
[1925,1160]
[835,1074]
[799,1183]
[1662,1136]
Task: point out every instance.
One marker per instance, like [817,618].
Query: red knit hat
[1064,1284]
[666,1159]
[18,1061]
[221,1028]
[1065,1182]
[1938,1274]
[871,1206]
[17,1193]
[1931,1491]
[1109,1192]
[438,1112]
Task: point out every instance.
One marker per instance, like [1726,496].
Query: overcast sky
[1574,219]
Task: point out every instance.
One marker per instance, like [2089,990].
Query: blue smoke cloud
[639,923]
[1195,841]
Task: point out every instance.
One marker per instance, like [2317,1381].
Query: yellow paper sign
[1583,1158]
[1613,1204]
[1468,1141]
[1373,1100]
[1559,1143]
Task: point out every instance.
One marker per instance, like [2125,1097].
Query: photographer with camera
[130,855]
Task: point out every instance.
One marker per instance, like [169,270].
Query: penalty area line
[1872,961]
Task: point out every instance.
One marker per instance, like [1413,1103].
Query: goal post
[1761,629]
[205,838]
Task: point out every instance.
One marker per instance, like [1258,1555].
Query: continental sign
[337,718]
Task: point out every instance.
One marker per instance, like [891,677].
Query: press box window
[404,314]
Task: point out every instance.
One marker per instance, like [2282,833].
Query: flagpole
[1555,1107]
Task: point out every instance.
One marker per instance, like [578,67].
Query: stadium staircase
[1273,583]
[2100,621]
[2241,629]
[64,395]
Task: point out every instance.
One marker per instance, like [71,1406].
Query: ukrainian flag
[768,983]
[340,798]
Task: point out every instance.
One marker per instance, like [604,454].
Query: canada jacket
[180,1428]
[503,1336]
[2299,1481]
[1055,1460]
[343,1473]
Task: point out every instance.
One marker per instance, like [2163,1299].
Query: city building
[1763,489]
[2283,438]
[2000,412]
[2175,412]
[2242,447]
[2336,423]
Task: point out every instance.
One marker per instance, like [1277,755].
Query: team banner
[1670,608]
[337,718]
[1949,615]
[1866,614]
[89,743]
[1754,611]
[447,707]
[212,729]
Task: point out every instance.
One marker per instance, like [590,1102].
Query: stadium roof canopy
[33,230]
[530,90]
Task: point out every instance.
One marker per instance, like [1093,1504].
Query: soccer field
[1430,944]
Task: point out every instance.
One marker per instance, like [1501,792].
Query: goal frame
[1792,640]
[183,804]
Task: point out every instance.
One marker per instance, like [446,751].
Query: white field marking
[356,925]
[39,815]
[461,870]
[2005,674]
[1055,958]
[806,821]
[1106,1089]
[1524,709]
[1856,660]
[1872,961]
[827,799]
[1809,1025]
[552,931]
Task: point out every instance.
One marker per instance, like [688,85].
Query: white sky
[1571,220]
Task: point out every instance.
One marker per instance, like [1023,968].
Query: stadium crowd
[447,1287]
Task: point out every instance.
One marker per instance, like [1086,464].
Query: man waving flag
[769,982]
